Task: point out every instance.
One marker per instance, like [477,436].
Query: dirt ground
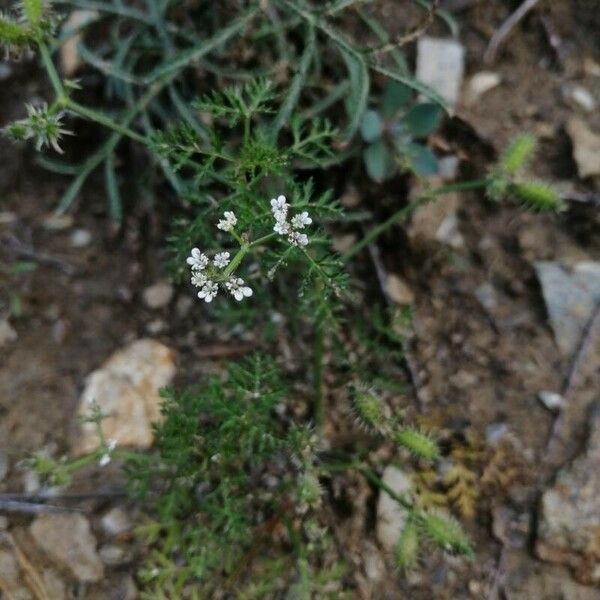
[480,367]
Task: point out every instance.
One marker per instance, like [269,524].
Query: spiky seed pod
[368,409]
[517,154]
[446,532]
[497,187]
[33,11]
[407,548]
[309,492]
[418,442]
[538,196]
[12,33]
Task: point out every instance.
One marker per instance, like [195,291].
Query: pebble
[586,147]
[479,84]
[156,326]
[68,540]
[391,516]
[158,295]
[126,387]
[112,556]
[6,217]
[551,400]
[579,96]
[448,167]
[5,71]
[449,233]
[116,522]
[7,333]
[398,290]
[494,432]
[441,65]
[81,238]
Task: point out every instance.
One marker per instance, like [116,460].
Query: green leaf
[379,161]
[112,189]
[412,83]
[359,90]
[371,126]
[422,119]
[421,159]
[291,100]
[395,96]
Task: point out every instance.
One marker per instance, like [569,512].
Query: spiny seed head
[406,552]
[538,196]
[517,154]
[12,33]
[445,531]
[497,188]
[368,408]
[418,442]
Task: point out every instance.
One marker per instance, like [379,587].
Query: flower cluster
[209,275]
[107,456]
[42,125]
[291,228]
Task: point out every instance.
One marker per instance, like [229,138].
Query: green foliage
[407,548]
[537,195]
[446,532]
[390,134]
[224,462]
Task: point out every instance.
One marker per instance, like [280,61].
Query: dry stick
[503,32]
[591,331]
[34,508]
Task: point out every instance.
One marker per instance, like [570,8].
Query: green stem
[102,119]
[319,348]
[407,210]
[262,240]
[236,260]
[52,72]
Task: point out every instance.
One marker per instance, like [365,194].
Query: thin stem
[102,119]
[52,72]
[407,210]
[262,240]
[319,350]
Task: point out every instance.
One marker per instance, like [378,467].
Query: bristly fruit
[407,549]
[537,196]
[368,409]
[418,442]
[444,531]
[517,154]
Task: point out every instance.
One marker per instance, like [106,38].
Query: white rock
[448,167]
[57,222]
[579,96]
[449,233]
[586,147]
[398,290]
[391,517]
[81,238]
[551,400]
[158,295]
[479,84]
[126,388]
[68,540]
[441,65]
[7,217]
[115,522]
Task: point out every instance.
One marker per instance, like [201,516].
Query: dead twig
[506,28]
[34,508]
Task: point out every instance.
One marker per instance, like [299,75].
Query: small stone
[391,516]
[81,238]
[449,233]
[374,564]
[398,290]
[448,167]
[158,295]
[31,481]
[441,65]
[486,294]
[570,512]
[571,296]
[494,432]
[126,388]
[5,71]
[112,556]
[57,222]
[551,400]
[586,147]
[479,84]
[7,333]
[579,96]
[68,540]
[6,217]
[116,522]
[156,326]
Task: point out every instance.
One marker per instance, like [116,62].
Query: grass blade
[115,204]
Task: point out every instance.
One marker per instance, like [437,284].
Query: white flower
[106,457]
[221,260]
[298,239]
[209,290]
[238,289]
[281,227]
[197,260]
[198,278]
[279,208]
[301,220]
[228,222]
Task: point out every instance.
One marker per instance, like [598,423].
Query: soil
[477,368]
